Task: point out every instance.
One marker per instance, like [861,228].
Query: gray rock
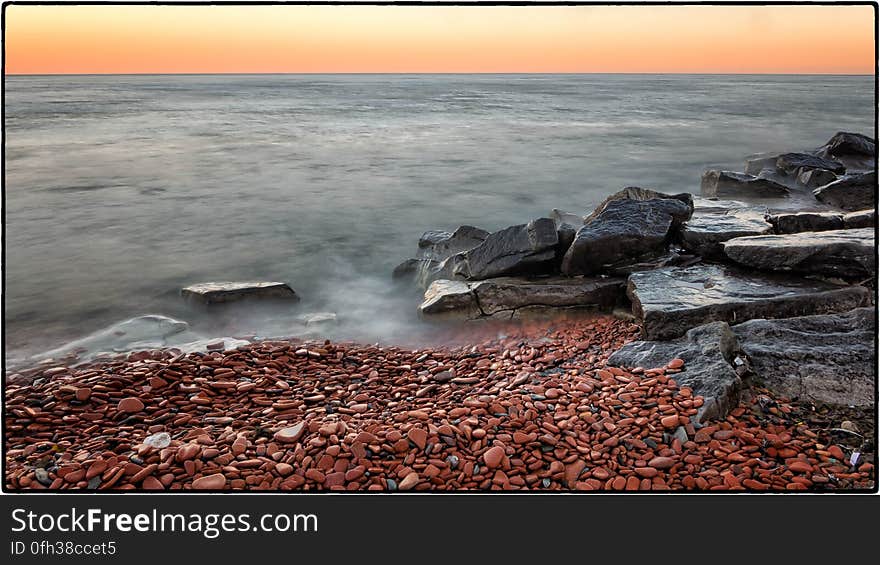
[851,192]
[814,178]
[509,297]
[847,254]
[806,221]
[740,185]
[562,218]
[826,359]
[318,320]
[523,249]
[757,164]
[793,164]
[714,222]
[708,352]
[854,150]
[224,292]
[628,227]
[667,302]
[439,245]
[860,219]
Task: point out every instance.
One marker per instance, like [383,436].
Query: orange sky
[310,39]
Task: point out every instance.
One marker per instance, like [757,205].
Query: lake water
[121,189]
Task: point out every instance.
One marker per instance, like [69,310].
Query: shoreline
[538,409]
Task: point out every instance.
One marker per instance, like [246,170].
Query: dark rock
[847,254]
[224,292]
[727,183]
[509,297]
[851,192]
[860,219]
[825,359]
[806,221]
[814,178]
[669,301]
[764,163]
[630,226]
[523,249]
[439,245]
[854,150]
[410,268]
[708,352]
[714,222]
[793,164]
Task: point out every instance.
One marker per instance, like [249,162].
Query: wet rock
[627,227]
[523,249]
[847,254]
[291,434]
[717,184]
[806,221]
[714,222]
[439,245]
[860,219]
[509,295]
[854,150]
[824,359]
[224,292]
[814,178]
[851,192]
[669,301]
[708,352]
[561,218]
[793,164]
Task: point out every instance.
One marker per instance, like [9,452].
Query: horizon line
[781,73]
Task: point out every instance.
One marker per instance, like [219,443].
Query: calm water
[121,189]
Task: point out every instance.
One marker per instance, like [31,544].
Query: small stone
[675,364]
[836,452]
[418,436]
[212,482]
[130,405]
[283,469]
[444,376]
[409,481]
[152,483]
[83,393]
[661,462]
[158,441]
[290,434]
[42,476]
[849,426]
[493,456]
[669,421]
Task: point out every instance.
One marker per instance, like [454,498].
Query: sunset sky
[340,39]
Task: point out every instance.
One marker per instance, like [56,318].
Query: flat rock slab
[717,184]
[806,221]
[710,353]
[224,292]
[716,222]
[847,254]
[508,297]
[826,359]
[860,219]
[522,249]
[851,193]
[667,302]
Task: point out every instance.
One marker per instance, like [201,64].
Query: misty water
[122,189]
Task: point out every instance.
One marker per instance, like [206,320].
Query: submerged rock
[714,222]
[848,254]
[224,292]
[716,184]
[516,296]
[826,359]
[629,226]
[806,221]
[852,192]
[667,302]
[709,353]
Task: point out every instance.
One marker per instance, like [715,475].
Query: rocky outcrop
[854,150]
[718,184]
[814,178]
[847,254]
[714,222]
[826,359]
[852,192]
[667,302]
[806,221]
[524,249]
[860,219]
[793,164]
[711,358]
[508,297]
[439,245]
[209,293]
[629,226]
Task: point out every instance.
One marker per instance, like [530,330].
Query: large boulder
[518,250]
[860,219]
[793,164]
[806,221]
[718,184]
[710,353]
[827,359]
[209,293]
[854,150]
[851,192]
[847,254]
[628,227]
[667,302]
[714,222]
[508,297]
